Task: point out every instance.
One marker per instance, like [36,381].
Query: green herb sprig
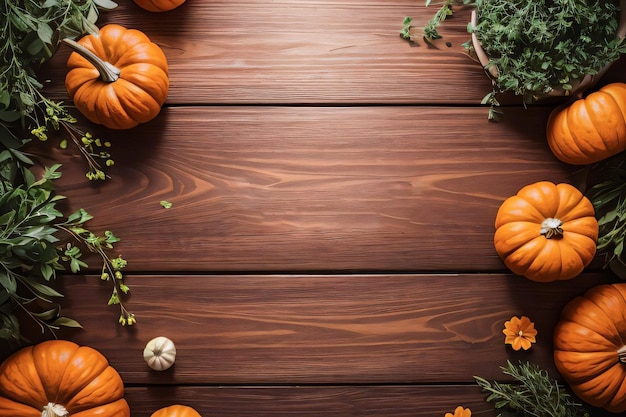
[538,46]
[30,35]
[37,241]
[542,45]
[608,196]
[534,394]
[444,11]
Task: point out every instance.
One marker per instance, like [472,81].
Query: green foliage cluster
[445,10]
[542,45]
[533,394]
[37,241]
[608,195]
[30,32]
[538,46]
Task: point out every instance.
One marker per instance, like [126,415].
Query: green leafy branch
[31,32]
[32,250]
[111,267]
[534,394]
[430,31]
[536,48]
[405,32]
[444,11]
[543,45]
[608,195]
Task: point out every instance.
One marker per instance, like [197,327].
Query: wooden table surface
[329,249]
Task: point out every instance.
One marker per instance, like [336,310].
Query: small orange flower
[460,412]
[520,333]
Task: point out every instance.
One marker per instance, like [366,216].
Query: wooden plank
[314,51]
[361,401]
[320,329]
[313,188]
[321,51]
[310,51]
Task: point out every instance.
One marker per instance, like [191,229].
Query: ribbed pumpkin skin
[590,129]
[586,341]
[176,410]
[77,377]
[158,5]
[139,92]
[526,251]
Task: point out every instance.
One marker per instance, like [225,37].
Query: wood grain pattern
[339,401]
[306,52]
[324,51]
[310,188]
[329,250]
[321,329]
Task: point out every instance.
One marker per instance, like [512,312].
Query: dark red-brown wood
[321,329]
[339,401]
[380,188]
[282,52]
[329,249]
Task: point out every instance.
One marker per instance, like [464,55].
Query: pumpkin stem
[551,227]
[54,410]
[108,72]
[621,353]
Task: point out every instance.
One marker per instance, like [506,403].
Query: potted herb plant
[539,48]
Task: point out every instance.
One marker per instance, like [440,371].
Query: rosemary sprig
[608,195]
[534,394]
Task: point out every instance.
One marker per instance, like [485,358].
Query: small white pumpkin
[160,353]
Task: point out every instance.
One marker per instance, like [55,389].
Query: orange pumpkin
[119,78]
[546,232]
[159,5]
[60,377]
[176,410]
[590,129]
[590,346]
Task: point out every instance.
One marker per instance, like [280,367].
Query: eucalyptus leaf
[21,156]
[66,322]
[47,271]
[34,48]
[4,296]
[27,99]
[46,315]
[106,4]
[8,282]
[608,217]
[10,327]
[48,4]
[44,289]
[5,99]
[45,32]
[9,116]
[7,217]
